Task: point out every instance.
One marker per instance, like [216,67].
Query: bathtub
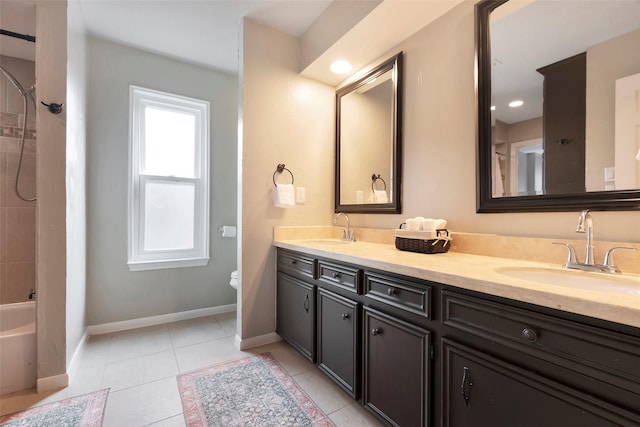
[17,346]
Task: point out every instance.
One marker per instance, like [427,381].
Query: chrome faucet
[585,225]
[347,234]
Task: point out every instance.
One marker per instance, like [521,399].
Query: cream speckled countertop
[482,274]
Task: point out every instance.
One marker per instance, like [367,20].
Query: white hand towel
[283,196]
[380,196]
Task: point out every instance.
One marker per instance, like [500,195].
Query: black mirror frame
[395,206]
[485,202]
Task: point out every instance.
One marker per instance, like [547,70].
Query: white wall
[286,118]
[114,293]
[76,180]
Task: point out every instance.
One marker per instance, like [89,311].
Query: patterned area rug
[255,391]
[86,410]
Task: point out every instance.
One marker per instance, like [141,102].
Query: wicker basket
[426,242]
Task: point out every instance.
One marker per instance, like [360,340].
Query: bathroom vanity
[444,340]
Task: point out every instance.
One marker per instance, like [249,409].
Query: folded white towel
[283,196]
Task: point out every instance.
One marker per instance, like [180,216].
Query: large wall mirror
[369,140]
[558,105]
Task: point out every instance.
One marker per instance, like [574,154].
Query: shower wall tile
[3,233]
[27,182]
[3,180]
[10,119]
[19,279]
[19,237]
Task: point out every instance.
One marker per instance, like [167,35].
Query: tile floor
[140,367]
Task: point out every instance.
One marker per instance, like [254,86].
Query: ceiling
[203,32]
[206,32]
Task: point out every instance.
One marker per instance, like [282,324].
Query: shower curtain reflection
[17,194]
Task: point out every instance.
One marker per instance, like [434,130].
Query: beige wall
[286,119]
[17,217]
[439,153]
[439,176]
[366,132]
[606,62]
[51,272]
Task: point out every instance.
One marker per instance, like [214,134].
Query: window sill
[165,264]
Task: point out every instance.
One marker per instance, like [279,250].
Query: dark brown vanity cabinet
[397,369]
[296,302]
[338,350]
[504,365]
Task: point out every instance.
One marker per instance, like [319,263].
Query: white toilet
[234,279]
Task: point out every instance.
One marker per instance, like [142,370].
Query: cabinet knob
[345,316]
[392,291]
[336,275]
[376,331]
[529,334]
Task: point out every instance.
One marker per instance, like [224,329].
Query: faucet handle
[571,256]
[608,258]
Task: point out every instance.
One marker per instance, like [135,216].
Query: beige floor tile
[177,421]
[354,415]
[292,361]
[96,351]
[140,370]
[144,404]
[196,331]
[139,342]
[201,355]
[323,391]
[228,322]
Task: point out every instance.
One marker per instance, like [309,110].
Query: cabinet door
[295,305]
[337,339]
[480,390]
[396,370]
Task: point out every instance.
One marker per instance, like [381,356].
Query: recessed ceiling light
[493,108]
[340,67]
[516,103]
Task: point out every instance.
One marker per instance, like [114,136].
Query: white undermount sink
[575,279]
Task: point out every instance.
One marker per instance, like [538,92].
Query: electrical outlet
[300,195]
[610,173]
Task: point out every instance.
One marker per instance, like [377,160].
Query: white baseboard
[124,325]
[247,343]
[52,383]
[77,354]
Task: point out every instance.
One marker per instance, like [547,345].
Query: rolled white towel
[283,196]
[413,224]
[441,223]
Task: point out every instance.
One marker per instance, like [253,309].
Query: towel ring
[374,178]
[280,169]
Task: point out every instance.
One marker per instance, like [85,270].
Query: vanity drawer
[344,277]
[597,352]
[402,294]
[296,264]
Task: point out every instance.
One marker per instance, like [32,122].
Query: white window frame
[140,259]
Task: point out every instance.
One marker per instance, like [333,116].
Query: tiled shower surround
[17,218]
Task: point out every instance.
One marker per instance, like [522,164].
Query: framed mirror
[369,140]
[571,137]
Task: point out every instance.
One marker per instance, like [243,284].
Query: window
[169,180]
